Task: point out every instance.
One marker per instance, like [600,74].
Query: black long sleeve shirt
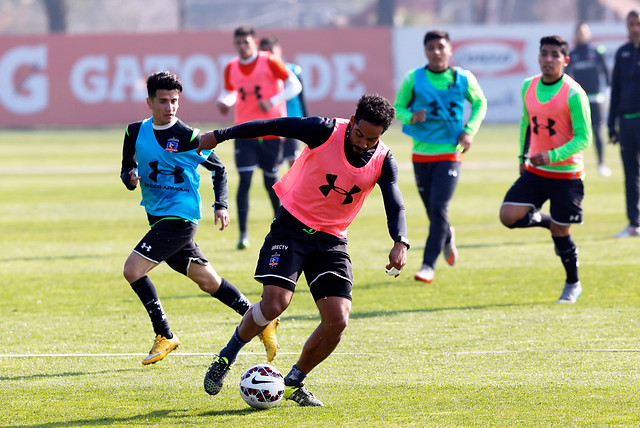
[314,131]
[625,83]
[186,141]
[588,67]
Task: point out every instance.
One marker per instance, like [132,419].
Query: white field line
[211,354]
[541,351]
[175,353]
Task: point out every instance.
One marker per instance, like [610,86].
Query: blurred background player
[624,119]
[321,195]
[555,129]
[162,150]
[587,66]
[258,84]
[296,107]
[430,104]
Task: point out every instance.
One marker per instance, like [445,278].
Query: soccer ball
[262,386]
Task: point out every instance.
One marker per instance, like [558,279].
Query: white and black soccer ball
[262,386]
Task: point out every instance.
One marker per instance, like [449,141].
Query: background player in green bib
[159,153]
[555,129]
[430,104]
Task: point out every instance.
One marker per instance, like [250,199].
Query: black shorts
[258,153]
[290,149]
[288,251]
[565,196]
[171,240]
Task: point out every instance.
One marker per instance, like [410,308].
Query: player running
[555,129]
[160,154]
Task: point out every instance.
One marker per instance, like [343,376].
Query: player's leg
[423,176]
[279,267]
[191,262]
[521,205]
[630,154]
[246,158]
[164,238]
[566,209]
[596,124]
[269,155]
[330,277]
[274,301]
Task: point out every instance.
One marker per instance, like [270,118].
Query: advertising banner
[100,79]
[500,56]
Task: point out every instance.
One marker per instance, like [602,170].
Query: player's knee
[131,273]
[507,218]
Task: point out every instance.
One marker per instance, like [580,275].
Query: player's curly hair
[162,80]
[375,109]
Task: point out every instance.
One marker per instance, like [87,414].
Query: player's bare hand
[223,217]
[265,105]
[465,141]
[208,141]
[522,168]
[397,258]
[418,116]
[540,159]
[133,178]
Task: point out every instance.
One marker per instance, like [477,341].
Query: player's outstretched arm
[208,141]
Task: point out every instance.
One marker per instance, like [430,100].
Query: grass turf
[484,345]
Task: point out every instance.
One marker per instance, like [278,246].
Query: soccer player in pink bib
[321,195]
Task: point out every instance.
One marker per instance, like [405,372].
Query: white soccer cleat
[426,275]
[570,293]
[450,251]
[628,232]
[604,170]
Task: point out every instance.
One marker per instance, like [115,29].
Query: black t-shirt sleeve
[219,181]
[392,197]
[129,161]
[313,131]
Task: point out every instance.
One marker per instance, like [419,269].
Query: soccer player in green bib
[555,129]
[430,104]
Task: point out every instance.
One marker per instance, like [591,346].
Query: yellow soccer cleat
[161,347]
[269,339]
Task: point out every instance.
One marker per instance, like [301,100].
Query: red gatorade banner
[100,79]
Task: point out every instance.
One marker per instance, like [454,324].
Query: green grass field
[484,345]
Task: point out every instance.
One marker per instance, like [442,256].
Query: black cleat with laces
[301,395]
[214,379]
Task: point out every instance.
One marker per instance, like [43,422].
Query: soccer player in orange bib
[555,129]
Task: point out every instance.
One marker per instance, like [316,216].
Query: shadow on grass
[144,419]
[373,314]
[67,374]
[51,258]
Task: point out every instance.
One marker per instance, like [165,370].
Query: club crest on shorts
[274,260]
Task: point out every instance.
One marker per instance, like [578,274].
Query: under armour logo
[434,108]
[549,126]
[331,180]
[452,173]
[451,108]
[574,218]
[256,91]
[145,246]
[177,172]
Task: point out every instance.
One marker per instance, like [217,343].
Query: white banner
[500,56]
